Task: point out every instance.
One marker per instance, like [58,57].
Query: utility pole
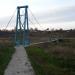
[22,26]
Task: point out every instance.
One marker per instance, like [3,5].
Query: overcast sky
[50,13]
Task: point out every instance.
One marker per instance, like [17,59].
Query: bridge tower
[22,26]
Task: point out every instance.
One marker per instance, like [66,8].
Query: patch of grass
[6,51]
[53,58]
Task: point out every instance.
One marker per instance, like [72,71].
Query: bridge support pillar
[22,26]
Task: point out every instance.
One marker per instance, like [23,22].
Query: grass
[6,51]
[57,58]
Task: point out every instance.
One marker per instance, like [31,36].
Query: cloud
[58,15]
[64,17]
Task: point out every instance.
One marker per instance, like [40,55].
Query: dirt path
[19,65]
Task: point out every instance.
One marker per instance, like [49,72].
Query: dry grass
[6,51]
[56,58]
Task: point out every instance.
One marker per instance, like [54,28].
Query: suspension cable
[35,18]
[10,20]
[32,23]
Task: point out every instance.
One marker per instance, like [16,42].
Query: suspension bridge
[20,64]
[23,22]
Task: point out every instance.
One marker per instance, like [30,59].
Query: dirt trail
[19,64]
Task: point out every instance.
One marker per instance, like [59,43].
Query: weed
[53,59]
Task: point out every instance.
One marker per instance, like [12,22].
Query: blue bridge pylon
[22,26]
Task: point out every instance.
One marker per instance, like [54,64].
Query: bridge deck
[19,64]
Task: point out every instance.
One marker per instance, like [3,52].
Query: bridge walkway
[19,64]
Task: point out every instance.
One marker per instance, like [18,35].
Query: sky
[52,14]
